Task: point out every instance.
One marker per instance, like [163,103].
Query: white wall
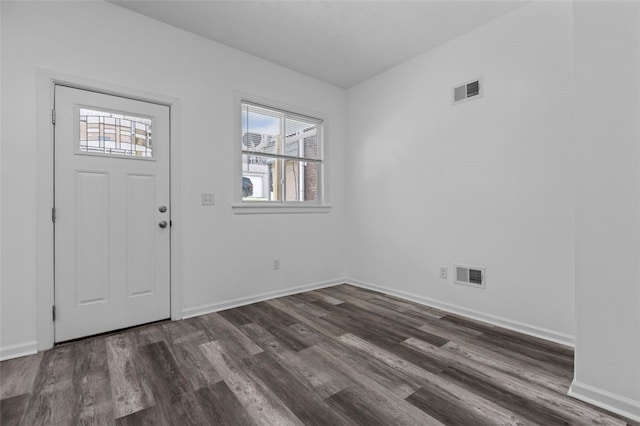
[491,182]
[225,256]
[486,183]
[607,56]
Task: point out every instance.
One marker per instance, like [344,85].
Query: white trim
[46,80]
[610,401]
[234,303]
[532,330]
[260,208]
[175,120]
[44,202]
[18,350]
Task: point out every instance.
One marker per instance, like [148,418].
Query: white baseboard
[532,330]
[28,348]
[18,350]
[604,399]
[221,306]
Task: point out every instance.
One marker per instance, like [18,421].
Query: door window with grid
[281,156]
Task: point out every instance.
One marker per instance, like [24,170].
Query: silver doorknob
[162,224]
[162,209]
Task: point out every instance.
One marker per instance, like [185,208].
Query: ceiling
[340,42]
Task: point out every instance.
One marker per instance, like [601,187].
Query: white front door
[112,213]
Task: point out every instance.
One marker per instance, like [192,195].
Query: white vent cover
[467,91]
[470,275]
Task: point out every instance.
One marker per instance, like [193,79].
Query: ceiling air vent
[466,92]
[471,276]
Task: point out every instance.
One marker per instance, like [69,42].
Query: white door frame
[46,81]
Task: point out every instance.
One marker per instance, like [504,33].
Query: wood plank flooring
[336,356]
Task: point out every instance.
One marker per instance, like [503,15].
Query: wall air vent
[467,91]
[470,275]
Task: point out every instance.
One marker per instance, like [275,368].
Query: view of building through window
[103,132]
[281,155]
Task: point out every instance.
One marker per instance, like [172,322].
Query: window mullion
[282,162]
[285,157]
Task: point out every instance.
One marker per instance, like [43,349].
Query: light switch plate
[207,199]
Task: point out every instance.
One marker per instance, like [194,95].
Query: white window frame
[241,206]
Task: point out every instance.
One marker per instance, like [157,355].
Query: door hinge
[170,223]
[53,116]
[53,214]
[53,312]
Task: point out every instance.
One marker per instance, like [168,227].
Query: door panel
[91,241]
[112,259]
[141,228]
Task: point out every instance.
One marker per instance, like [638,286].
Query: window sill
[278,208]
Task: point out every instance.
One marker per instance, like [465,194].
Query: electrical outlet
[276,264]
[207,199]
[443,272]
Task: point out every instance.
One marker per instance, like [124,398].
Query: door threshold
[109,333]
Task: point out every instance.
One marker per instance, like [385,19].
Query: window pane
[103,132]
[258,176]
[301,138]
[261,129]
[301,180]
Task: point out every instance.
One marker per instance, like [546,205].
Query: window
[108,133]
[281,156]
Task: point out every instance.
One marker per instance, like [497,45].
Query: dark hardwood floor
[337,356]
